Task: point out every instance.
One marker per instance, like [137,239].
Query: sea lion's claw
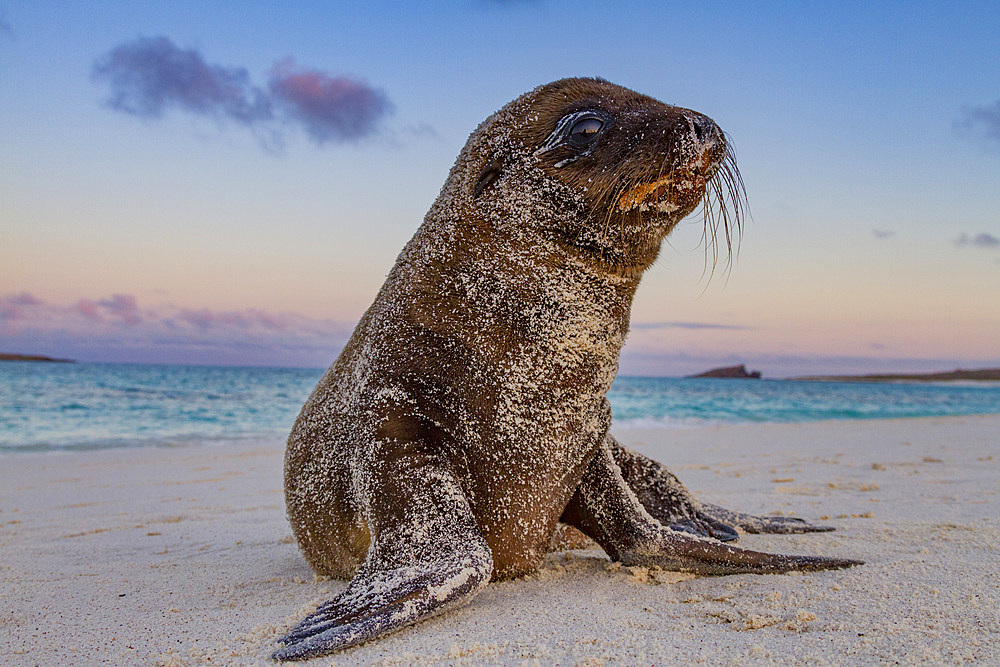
[688,527]
[705,527]
[723,531]
[749,523]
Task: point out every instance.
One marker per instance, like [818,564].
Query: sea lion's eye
[585,131]
[577,131]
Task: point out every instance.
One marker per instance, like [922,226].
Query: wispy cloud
[24,299]
[150,76]
[118,328]
[982,240]
[686,325]
[983,120]
[510,3]
[5,28]
[883,233]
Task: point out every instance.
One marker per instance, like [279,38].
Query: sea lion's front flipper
[427,556]
[667,499]
[605,508]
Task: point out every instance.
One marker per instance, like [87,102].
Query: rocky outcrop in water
[738,372]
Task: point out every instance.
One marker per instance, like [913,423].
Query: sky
[230,182]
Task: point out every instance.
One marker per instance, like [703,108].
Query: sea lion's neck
[489,286]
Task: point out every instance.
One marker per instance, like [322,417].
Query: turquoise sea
[58,407]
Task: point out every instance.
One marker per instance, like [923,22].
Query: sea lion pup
[467,414]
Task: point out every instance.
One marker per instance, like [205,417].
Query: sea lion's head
[607,170]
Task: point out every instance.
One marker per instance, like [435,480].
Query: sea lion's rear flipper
[750,523]
[605,508]
[667,499]
[427,556]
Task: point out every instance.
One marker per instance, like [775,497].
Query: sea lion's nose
[703,128]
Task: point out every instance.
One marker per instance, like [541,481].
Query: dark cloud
[151,76]
[25,299]
[983,120]
[883,233]
[124,307]
[13,307]
[330,108]
[686,325]
[206,318]
[5,28]
[982,240]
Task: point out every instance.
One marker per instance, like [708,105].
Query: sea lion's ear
[487,177]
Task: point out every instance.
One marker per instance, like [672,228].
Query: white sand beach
[182,556]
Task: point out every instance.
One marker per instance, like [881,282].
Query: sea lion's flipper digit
[427,556]
[750,523]
[606,509]
[704,527]
[377,603]
[667,499]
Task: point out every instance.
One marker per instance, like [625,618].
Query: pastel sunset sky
[230,182]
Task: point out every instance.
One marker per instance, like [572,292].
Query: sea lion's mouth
[665,194]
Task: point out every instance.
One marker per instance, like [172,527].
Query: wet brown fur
[466,417]
[641,146]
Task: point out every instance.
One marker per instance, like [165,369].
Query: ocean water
[59,407]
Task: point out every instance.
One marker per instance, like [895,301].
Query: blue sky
[868,136]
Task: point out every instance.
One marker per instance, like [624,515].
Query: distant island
[7,356]
[736,372]
[982,374]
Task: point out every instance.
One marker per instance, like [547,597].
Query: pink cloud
[25,299]
[206,318]
[123,306]
[89,309]
[8,314]
[202,318]
[331,108]
[269,321]
[13,307]
[91,329]
[149,76]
